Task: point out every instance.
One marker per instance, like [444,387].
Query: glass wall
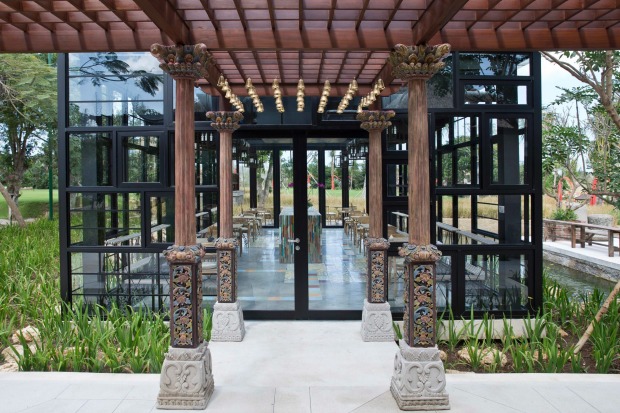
[116,139]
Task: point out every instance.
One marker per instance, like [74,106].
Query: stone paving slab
[469,393]
[307,367]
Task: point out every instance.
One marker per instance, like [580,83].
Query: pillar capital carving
[226,243]
[420,253]
[377,243]
[225,121]
[375,119]
[417,62]
[184,253]
[183,61]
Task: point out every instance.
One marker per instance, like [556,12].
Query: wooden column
[184,164]
[185,64]
[417,64]
[375,122]
[225,123]
[418,176]
[225,209]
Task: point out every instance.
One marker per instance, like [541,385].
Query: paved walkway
[299,367]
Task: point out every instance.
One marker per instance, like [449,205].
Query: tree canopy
[567,144]
[28,110]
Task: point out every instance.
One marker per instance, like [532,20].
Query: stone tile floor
[298,367]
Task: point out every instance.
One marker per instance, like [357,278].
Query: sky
[553,76]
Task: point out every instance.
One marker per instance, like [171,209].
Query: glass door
[266,223]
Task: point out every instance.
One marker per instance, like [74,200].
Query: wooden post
[227,315]
[188,359]
[376,315]
[417,64]
[184,164]
[185,64]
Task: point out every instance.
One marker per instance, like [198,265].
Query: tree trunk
[262,196]
[12,206]
[597,318]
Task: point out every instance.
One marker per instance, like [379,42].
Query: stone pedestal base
[377,322]
[227,322]
[186,381]
[419,379]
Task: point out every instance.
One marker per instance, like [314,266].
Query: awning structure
[315,40]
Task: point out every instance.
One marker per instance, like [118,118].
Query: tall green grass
[71,338]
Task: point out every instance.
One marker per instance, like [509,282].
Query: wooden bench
[587,232]
[582,232]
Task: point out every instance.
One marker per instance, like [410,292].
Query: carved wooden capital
[225,121]
[184,62]
[226,243]
[417,62]
[420,253]
[377,243]
[375,119]
[184,253]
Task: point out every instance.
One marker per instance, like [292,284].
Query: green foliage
[27,114]
[72,338]
[32,203]
[564,214]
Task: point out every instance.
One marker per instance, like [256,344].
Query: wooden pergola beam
[165,16]
[434,18]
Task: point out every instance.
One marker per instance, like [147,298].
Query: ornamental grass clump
[79,337]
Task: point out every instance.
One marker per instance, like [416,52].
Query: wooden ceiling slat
[316,39]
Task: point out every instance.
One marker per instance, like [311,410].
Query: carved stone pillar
[418,382]
[376,316]
[186,380]
[227,315]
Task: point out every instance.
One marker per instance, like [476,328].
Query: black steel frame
[323,128]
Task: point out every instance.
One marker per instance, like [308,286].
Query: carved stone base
[377,322]
[227,322]
[419,379]
[186,381]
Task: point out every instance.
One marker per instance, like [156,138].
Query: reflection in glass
[105,219]
[495,94]
[115,89]
[141,154]
[135,279]
[508,151]
[494,64]
[496,282]
[90,159]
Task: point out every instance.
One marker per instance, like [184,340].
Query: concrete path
[298,367]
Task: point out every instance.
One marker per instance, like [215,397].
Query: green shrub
[564,214]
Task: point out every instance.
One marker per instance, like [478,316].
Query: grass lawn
[33,203]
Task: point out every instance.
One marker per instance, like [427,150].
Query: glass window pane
[484,219]
[105,219]
[397,180]
[508,151]
[495,94]
[206,214]
[115,89]
[142,160]
[494,64]
[161,218]
[136,279]
[206,159]
[90,159]
[496,282]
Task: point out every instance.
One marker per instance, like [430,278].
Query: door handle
[296,240]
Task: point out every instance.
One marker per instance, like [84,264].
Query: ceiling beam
[434,18]
[164,15]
